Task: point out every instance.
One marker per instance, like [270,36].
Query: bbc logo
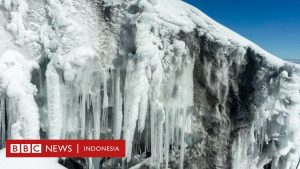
[25,148]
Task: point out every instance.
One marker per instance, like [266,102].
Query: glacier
[181,89]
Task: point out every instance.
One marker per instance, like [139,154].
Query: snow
[28,163]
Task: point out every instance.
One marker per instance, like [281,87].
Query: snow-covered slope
[189,18]
[172,82]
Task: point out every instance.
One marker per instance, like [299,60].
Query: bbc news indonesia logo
[65,148]
[25,148]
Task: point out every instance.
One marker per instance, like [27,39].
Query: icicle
[41,84]
[157,116]
[172,125]
[105,104]
[71,111]
[177,128]
[9,115]
[153,133]
[118,116]
[182,143]
[65,114]
[143,108]
[160,120]
[82,115]
[96,101]
[167,138]
[2,121]
[55,115]
[105,96]
[135,84]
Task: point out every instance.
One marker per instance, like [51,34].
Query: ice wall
[87,100]
[87,91]
[181,89]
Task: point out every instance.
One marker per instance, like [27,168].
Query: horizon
[274,26]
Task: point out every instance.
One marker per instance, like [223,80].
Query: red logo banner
[65,148]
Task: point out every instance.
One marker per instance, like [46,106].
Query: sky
[272,24]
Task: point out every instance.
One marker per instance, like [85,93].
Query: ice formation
[274,130]
[17,97]
[176,85]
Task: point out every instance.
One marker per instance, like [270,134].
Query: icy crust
[18,94]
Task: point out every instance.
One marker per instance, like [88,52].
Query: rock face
[181,89]
[238,101]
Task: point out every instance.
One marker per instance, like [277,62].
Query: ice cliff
[181,89]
